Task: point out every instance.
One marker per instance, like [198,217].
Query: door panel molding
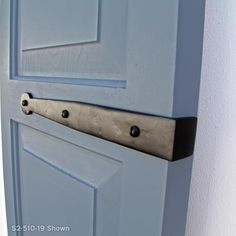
[42,31]
[16,172]
[100,59]
[69,158]
[104,185]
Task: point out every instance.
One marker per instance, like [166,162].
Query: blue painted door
[141,56]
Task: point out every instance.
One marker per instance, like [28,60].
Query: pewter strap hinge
[168,138]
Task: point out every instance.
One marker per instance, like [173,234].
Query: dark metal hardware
[65,114]
[134,131]
[168,138]
[24,103]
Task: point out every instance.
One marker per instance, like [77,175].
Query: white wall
[212,205]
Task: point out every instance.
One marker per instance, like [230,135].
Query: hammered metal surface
[157,134]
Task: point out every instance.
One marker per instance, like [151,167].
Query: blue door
[134,55]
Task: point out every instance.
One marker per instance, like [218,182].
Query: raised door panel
[48,24]
[109,54]
[84,39]
[53,201]
[62,186]
[91,187]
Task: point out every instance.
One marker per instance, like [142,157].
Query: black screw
[134,131]
[65,114]
[24,103]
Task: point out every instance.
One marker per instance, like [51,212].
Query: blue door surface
[134,55]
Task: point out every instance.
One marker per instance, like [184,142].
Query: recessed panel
[87,166]
[46,23]
[52,201]
[61,187]
[73,38]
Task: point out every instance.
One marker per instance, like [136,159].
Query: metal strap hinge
[168,138]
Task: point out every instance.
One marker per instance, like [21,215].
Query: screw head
[24,103]
[134,131]
[65,114]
